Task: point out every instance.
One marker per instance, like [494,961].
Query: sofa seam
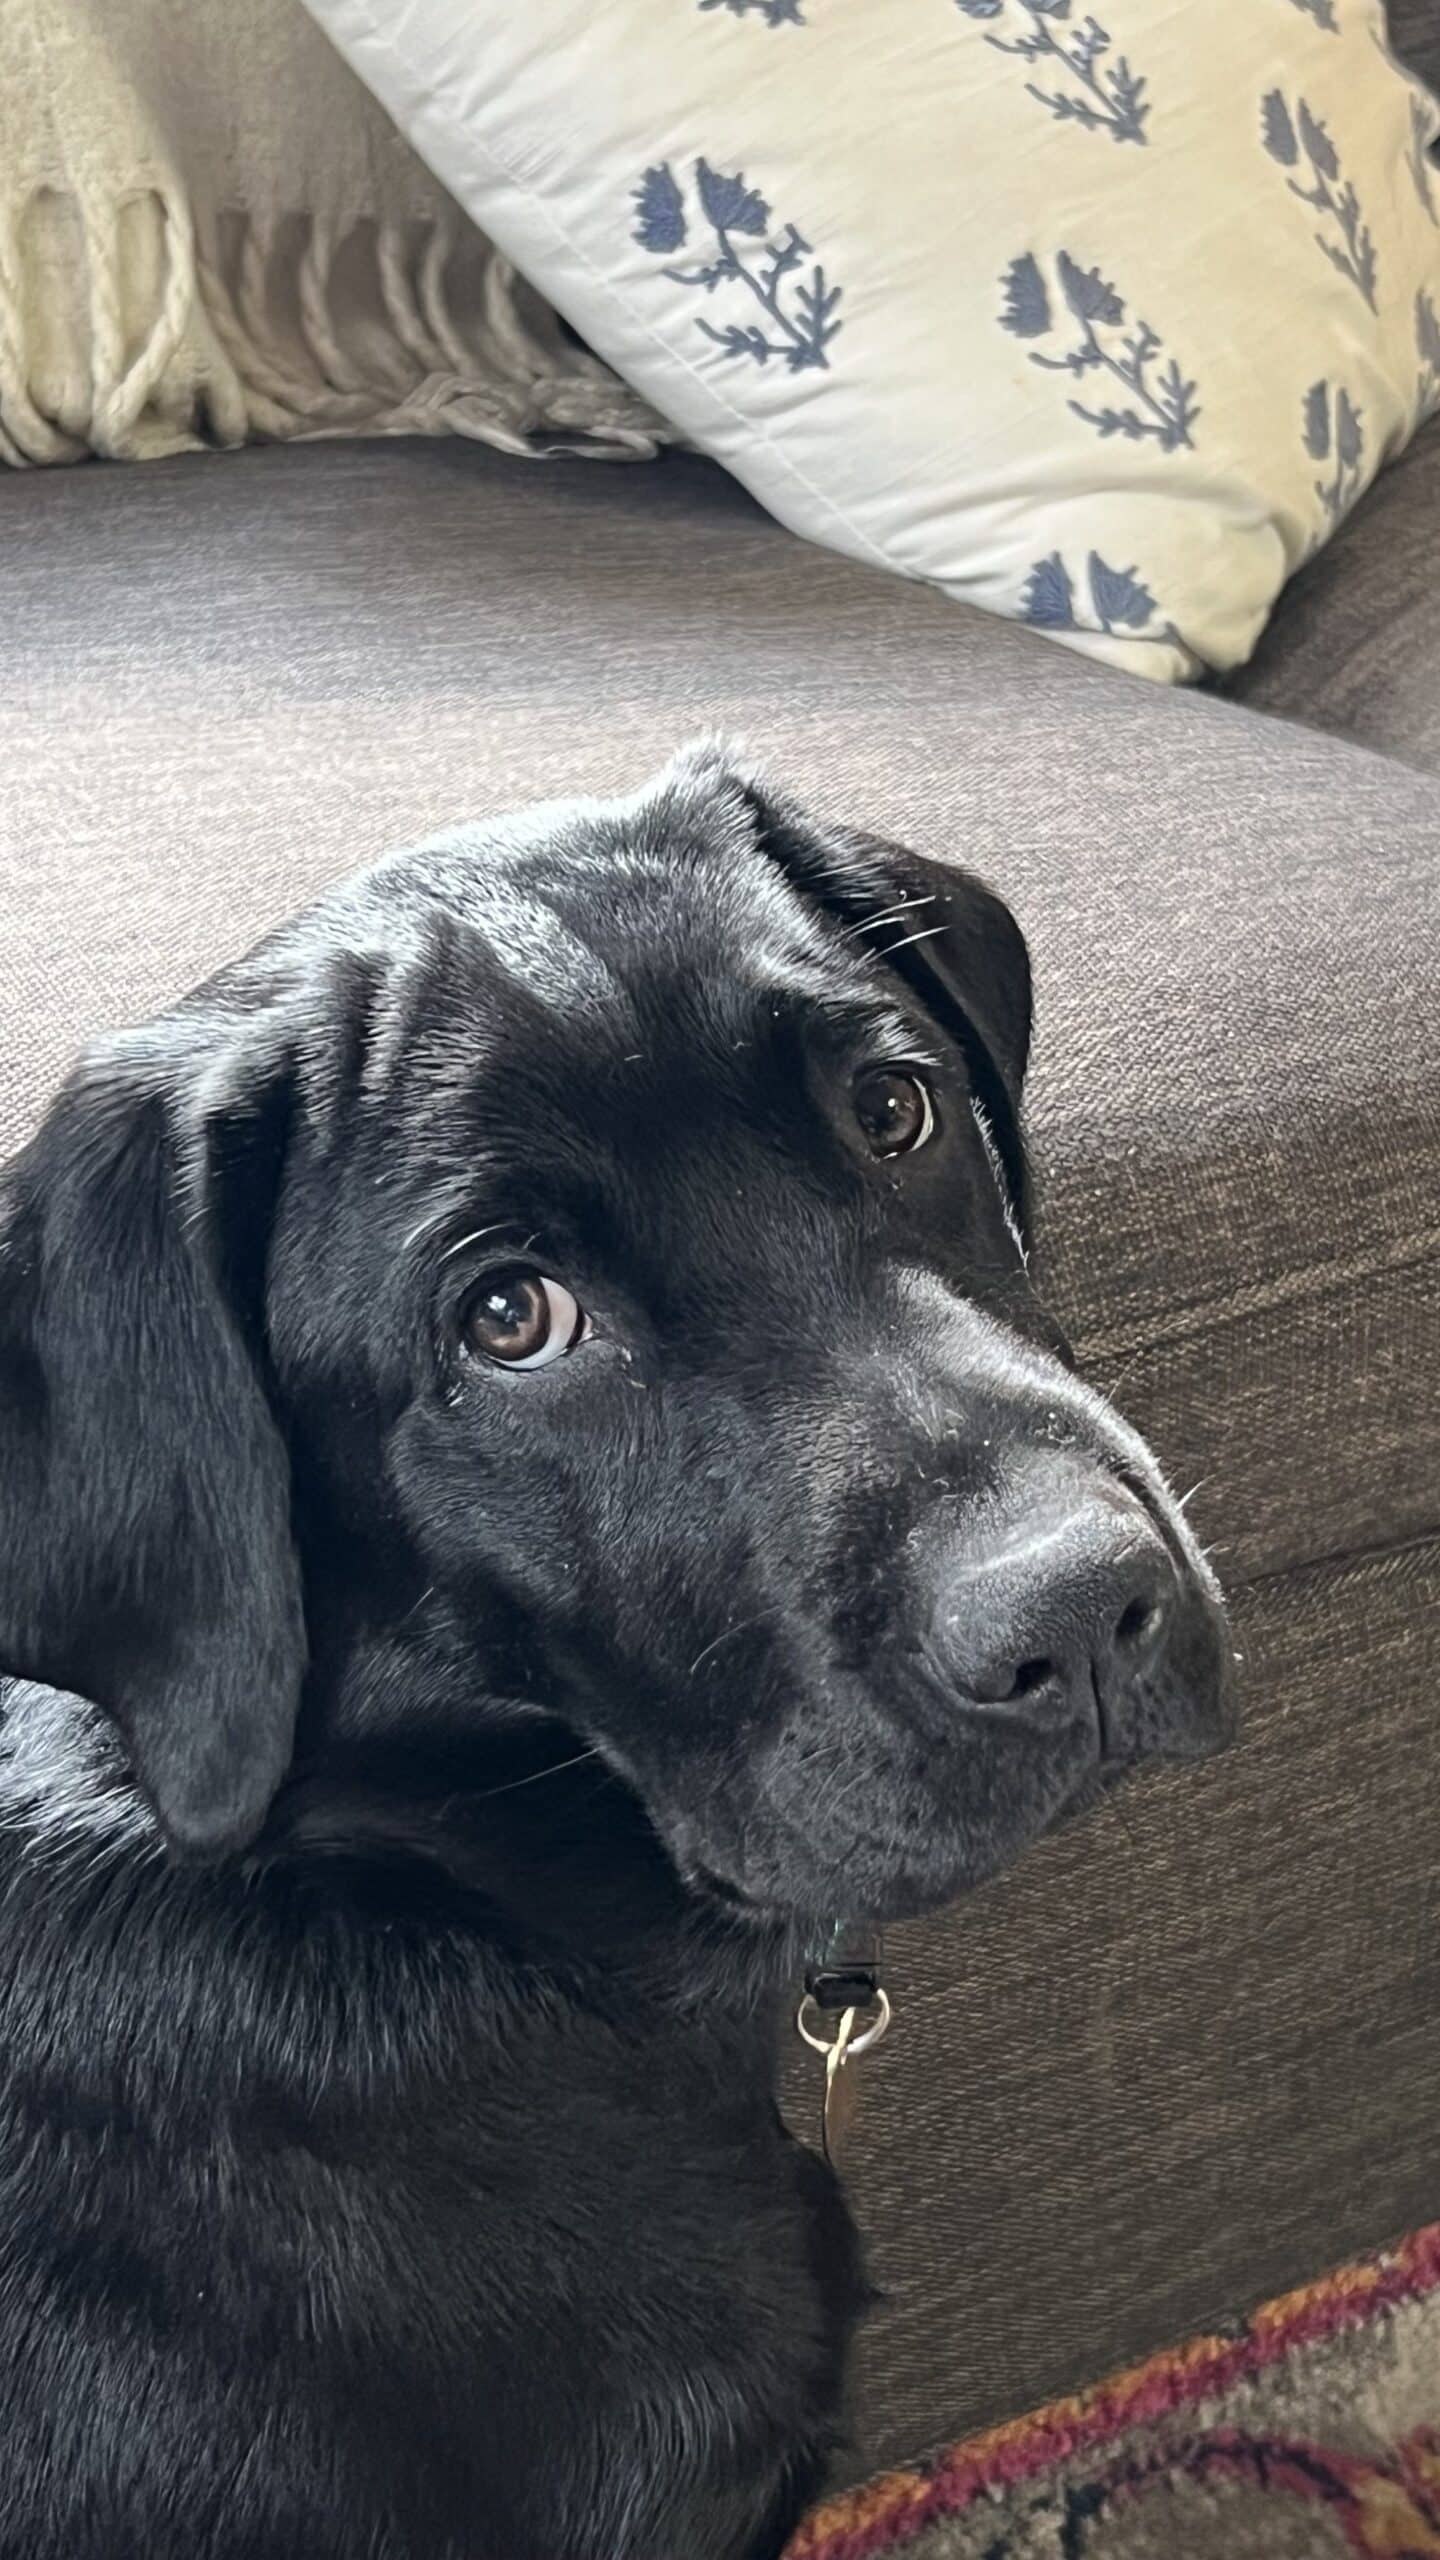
[1338,1560]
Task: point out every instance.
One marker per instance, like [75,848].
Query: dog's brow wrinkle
[535,947]
[393,1017]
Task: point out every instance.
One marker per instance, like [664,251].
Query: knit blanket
[211,233]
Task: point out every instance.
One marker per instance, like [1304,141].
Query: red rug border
[890,2511]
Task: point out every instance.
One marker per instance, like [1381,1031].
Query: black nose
[1070,1607]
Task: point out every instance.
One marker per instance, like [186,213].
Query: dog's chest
[625,2340]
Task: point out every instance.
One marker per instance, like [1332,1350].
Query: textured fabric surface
[209,231]
[974,292]
[1181,2057]
[1314,2429]
[1356,647]
[1415,34]
[236,684]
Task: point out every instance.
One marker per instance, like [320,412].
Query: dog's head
[584,1259]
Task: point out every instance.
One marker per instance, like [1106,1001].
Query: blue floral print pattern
[1121,606]
[798,320]
[1302,137]
[1334,435]
[1427,342]
[776,13]
[1099,96]
[660,224]
[1161,402]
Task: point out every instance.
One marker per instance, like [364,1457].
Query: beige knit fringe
[146,310]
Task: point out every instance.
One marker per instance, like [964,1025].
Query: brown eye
[521,1319]
[895,1111]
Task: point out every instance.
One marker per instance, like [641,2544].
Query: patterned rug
[1315,2432]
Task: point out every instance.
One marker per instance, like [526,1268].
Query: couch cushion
[1355,641]
[1415,34]
[238,680]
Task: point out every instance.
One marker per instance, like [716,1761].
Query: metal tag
[841,2049]
[837,2112]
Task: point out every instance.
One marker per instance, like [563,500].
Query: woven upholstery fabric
[1171,2063]
[236,684]
[1357,646]
[1415,34]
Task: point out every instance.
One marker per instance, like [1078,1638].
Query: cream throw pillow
[1102,321]
[209,232]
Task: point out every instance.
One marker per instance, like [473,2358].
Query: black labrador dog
[523,1415]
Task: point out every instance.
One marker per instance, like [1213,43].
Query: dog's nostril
[1136,1622]
[1031,1675]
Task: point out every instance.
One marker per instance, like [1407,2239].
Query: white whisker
[926,934]
[723,1637]
[476,1236]
[889,915]
[591,1752]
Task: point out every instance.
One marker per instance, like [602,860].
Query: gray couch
[1190,2051]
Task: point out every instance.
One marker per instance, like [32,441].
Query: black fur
[392,1952]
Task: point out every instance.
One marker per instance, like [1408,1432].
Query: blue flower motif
[1121,606]
[1278,130]
[1048,601]
[729,204]
[798,320]
[1317,421]
[1333,431]
[659,211]
[1088,294]
[1120,600]
[1027,304]
[1161,403]
[776,13]
[1098,96]
[1354,257]
[1319,149]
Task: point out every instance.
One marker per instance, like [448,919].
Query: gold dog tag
[841,2052]
[837,2112]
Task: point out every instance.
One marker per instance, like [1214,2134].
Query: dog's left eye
[894,1108]
[522,1319]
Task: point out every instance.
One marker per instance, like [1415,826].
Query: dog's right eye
[895,1111]
[521,1319]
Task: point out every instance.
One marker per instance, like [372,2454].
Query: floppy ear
[146,1559]
[955,944]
